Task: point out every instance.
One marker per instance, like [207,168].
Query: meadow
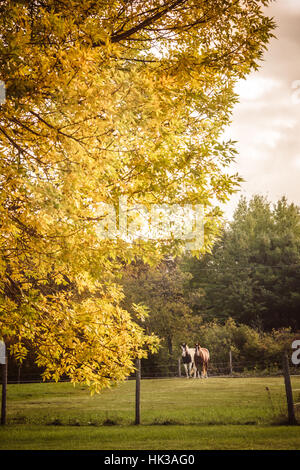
[177,414]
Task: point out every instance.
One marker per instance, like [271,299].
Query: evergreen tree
[253,271]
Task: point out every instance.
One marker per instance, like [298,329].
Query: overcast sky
[266,122]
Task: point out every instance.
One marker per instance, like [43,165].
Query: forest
[244,295]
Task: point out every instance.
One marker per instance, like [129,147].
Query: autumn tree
[103,100]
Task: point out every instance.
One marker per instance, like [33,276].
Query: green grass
[151,438]
[218,413]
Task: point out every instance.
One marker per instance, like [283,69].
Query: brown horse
[201,359]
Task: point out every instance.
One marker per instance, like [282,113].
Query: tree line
[244,295]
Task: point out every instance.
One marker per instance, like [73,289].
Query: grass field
[176,414]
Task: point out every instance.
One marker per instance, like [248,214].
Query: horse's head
[184,348]
[197,347]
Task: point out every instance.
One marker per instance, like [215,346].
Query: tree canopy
[107,99]
[253,271]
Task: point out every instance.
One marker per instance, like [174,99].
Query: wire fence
[219,369]
[175,369]
[160,372]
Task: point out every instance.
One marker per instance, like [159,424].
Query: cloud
[296,162]
[266,121]
[256,87]
[292,6]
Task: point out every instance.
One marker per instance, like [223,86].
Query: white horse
[187,355]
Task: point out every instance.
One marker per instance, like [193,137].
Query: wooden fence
[138,375]
[287,381]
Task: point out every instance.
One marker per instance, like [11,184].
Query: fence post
[230,361]
[288,390]
[4,385]
[3,361]
[179,367]
[138,392]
